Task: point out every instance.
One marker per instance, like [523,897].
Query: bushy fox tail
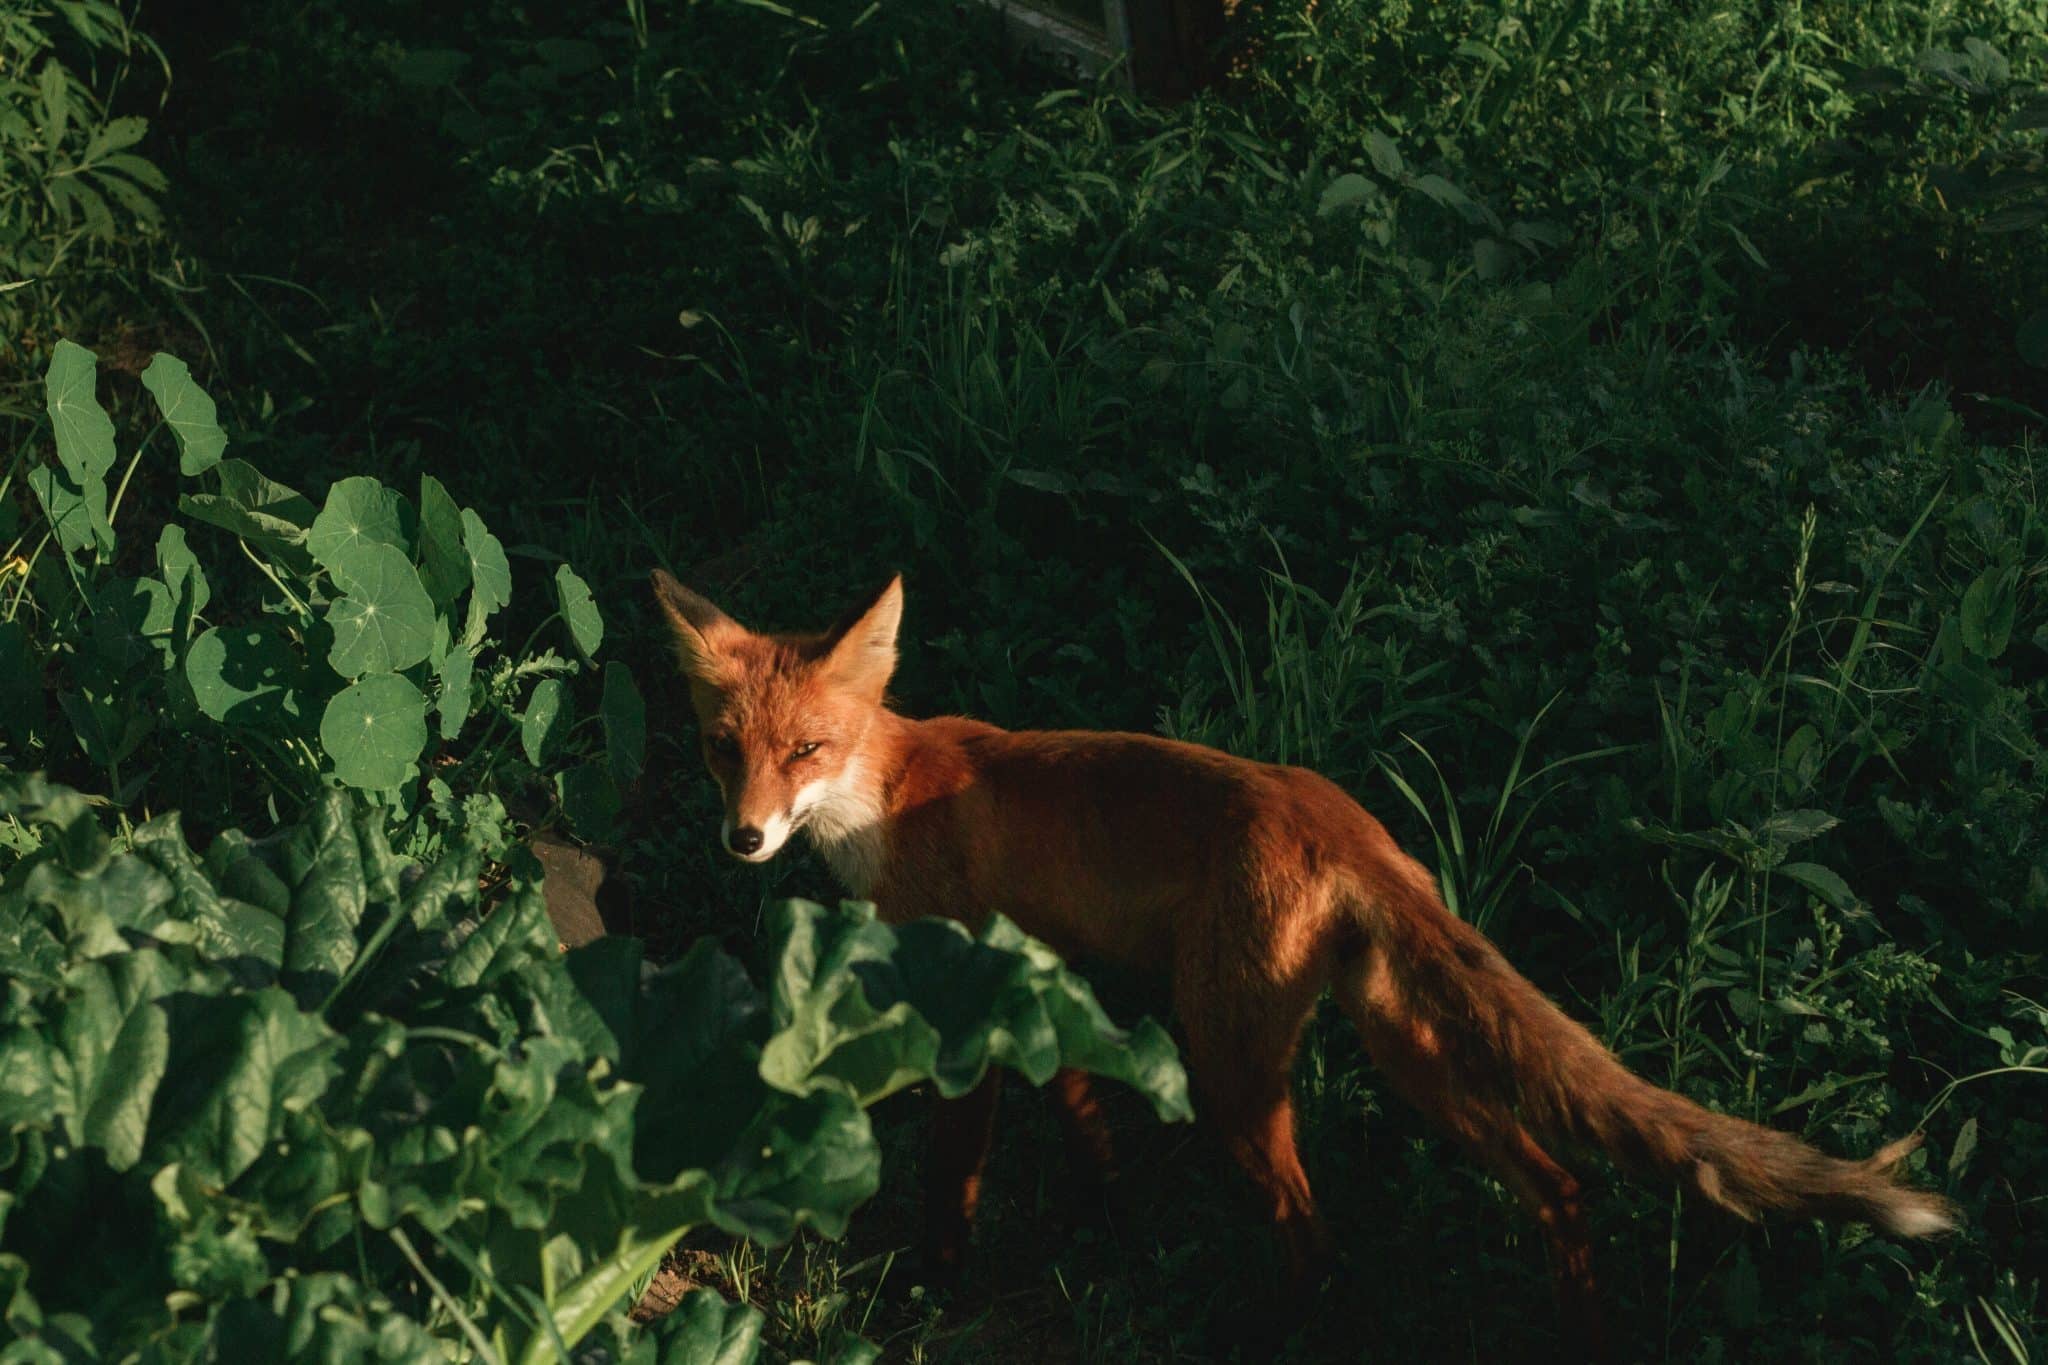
[1474,1043]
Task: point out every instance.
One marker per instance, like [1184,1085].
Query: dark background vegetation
[1467,388]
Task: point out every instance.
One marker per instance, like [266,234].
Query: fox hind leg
[1089,1145]
[962,1132]
[1240,1057]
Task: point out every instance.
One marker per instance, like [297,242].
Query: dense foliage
[297,1099]
[1604,438]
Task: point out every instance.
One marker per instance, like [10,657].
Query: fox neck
[848,819]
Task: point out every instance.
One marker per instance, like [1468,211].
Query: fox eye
[806,749]
[725,746]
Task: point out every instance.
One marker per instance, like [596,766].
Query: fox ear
[862,647]
[697,626]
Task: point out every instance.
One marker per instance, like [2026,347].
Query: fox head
[782,718]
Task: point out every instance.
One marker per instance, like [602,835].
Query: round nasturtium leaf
[386,622]
[374,730]
[360,513]
[243,675]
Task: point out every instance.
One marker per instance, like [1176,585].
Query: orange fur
[1254,887]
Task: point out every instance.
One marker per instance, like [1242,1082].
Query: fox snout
[755,837]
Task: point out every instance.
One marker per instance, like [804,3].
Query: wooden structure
[1169,47]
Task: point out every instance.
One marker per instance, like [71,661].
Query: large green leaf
[237,1064]
[267,514]
[77,517]
[190,413]
[455,675]
[572,599]
[323,1317]
[386,621]
[85,434]
[490,574]
[867,1009]
[333,863]
[707,1329]
[546,723]
[690,1034]
[184,577]
[507,940]
[444,564]
[245,675]
[375,730]
[243,935]
[625,724]
[360,513]
[112,1046]
[131,622]
[1989,606]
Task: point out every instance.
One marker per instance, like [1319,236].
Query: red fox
[1254,887]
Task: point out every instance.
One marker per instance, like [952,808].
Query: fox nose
[744,840]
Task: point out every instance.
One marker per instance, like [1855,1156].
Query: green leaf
[237,1064]
[249,938]
[1822,882]
[55,92]
[514,933]
[1966,1146]
[108,728]
[1346,191]
[322,1316]
[589,799]
[333,862]
[263,512]
[115,134]
[572,598]
[1386,157]
[706,1329]
[190,413]
[375,731]
[488,568]
[129,616]
[78,518]
[85,434]
[625,724]
[1795,826]
[545,725]
[245,675]
[444,564]
[1989,606]
[360,515]
[386,621]
[1442,191]
[190,592]
[112,1047]
[455,674]
[866,1009]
